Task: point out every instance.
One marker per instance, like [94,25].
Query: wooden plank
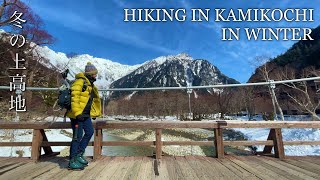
[247,143]
[252,169]
[15,143]
[268,148]
[272,164]
[161,125]
[97,148]
[128,143]
[293,168]
[255,168]
[289,170]
[5,159]
[36,148]
[212,169]
[21,171]
[163,170]
[278,144]
[186,170]
[185,143]
[9,160]
[60,143]
[92,166]
[109,169]
[219,169]
[236,169]
[301,143]
[218,143]
[99,166]
[221,164]
[149,143]
[178,170]
[211,124]
[146,170]
[171,167]
[304,165]
[200,171]
[10,167]
[47,150]
[132,173]
[60,168]
[41,168]
[314,160]
[125,165]
[188,143]
[158,144]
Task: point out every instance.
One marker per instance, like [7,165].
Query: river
[169,135]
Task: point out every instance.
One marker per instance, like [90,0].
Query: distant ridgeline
[171,72]
[302,53]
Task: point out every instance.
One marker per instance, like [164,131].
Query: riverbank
[184,135]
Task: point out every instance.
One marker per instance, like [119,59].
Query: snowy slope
[108,71]
[174,71]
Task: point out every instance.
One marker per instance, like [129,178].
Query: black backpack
[64,98]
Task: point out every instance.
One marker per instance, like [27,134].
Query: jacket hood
[82,76]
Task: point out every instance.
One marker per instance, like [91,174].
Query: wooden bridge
[264,166]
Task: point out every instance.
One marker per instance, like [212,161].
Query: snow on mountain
[108,71]
[178,70]
[173,71]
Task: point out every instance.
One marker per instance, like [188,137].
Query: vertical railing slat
[218,137]
[158,143]
[278,144]
[97,145]
[36,145]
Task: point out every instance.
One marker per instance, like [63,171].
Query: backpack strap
[85,85]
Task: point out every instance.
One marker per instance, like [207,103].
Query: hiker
[85,104]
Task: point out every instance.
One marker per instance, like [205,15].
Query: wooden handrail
[274,139]
[166,124]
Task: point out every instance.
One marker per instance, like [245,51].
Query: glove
[80,118]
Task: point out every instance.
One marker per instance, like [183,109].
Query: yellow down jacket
[80,99]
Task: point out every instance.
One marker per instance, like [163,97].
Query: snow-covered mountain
[164,71]
[108,71]
[173,71]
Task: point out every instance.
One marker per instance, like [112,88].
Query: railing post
[36,144]
[47,149]
[158,143]
[97,145]
[278,144]
[276,136]
[218,142]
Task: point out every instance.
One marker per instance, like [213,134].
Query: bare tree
[264,71]
[248,94]
[224,102]
[5,5]
[301,93]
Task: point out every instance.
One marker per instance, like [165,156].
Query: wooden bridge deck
[170,167]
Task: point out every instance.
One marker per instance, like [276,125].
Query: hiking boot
[81,159]
[75,165]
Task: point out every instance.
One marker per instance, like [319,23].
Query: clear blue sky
[97,28]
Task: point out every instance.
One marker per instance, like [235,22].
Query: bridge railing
[274,139]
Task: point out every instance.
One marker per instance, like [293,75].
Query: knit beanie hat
[90,69]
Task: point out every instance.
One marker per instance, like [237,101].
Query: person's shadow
[61,161]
